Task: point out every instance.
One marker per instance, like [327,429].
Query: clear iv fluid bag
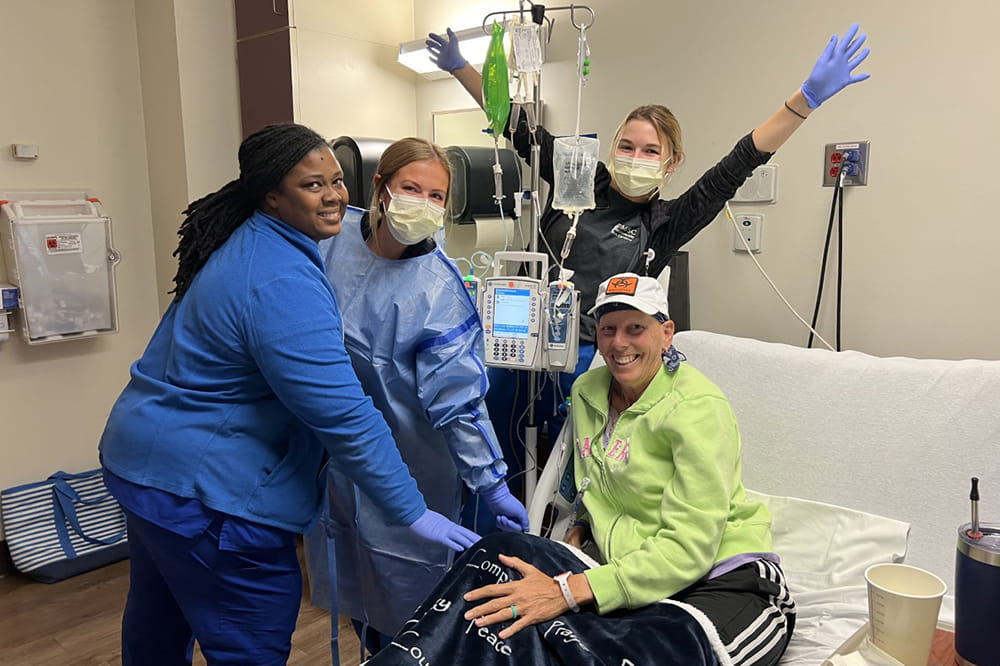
[574,162]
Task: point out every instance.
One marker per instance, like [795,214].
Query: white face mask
[412,219]
[637,176]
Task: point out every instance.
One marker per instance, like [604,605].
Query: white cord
[729,214]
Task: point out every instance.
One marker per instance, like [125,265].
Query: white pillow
[824,546]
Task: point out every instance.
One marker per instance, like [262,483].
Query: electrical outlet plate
[760,187]
[837,155]
[751,225]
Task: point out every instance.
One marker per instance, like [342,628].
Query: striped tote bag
[63,526]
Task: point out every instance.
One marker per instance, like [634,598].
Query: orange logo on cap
[623,285]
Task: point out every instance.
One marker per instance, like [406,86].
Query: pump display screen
[511,312]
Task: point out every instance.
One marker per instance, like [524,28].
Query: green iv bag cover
[496,85]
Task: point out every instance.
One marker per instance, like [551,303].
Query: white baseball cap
[631,290]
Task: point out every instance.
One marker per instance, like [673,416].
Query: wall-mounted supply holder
[60,256]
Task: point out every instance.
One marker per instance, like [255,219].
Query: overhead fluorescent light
[473,42]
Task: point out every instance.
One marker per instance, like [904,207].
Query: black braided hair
[265,156]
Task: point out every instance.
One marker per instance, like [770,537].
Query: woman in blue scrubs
[197,448]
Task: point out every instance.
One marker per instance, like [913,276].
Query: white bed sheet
[824,551]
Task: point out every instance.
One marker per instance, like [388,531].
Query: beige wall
[73,90]
[147,125]
[164,133]
[104,87]
[919,275]
[138,101]
[190,98]
[210,97]
[347,79]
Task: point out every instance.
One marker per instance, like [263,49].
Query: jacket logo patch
[626,233]
[586,450]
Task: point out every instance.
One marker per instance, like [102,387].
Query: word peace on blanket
[63,526]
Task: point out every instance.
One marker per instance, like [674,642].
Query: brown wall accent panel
[254,17]
[265,66]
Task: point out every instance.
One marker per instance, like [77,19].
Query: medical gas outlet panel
[851,158]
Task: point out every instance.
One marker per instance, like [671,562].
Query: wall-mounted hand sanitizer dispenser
[60,256]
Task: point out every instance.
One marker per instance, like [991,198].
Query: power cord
[838,198]
[732,218]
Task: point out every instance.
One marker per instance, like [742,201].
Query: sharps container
[977,595]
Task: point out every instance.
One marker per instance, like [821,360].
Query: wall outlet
[852,157]
[760,187]
[750,228]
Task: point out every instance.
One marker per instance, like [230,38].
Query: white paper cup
[903,605]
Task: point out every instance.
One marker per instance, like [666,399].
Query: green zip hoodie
[665,500]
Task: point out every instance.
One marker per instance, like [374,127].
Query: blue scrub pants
[241,606]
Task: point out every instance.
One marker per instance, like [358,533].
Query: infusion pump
[528,323]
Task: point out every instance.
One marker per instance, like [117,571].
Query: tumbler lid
[986,548]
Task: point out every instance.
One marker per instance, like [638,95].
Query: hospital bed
[860,459]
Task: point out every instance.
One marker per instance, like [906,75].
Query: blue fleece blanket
[437,634]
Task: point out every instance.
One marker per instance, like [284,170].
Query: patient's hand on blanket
[536,598]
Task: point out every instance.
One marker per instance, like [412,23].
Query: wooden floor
[77,621]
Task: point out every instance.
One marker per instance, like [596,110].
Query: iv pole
[539,16]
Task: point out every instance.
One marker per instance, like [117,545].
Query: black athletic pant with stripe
[751,609]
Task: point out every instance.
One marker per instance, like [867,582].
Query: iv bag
[574,163]
[496,83]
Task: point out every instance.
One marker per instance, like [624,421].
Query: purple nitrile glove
[511,514]
[833,71]
[435,527]
[444,51]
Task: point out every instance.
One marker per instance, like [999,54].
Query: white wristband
[563,580]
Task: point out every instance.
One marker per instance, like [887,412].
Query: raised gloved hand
[435,527]
[511,514]
[444,51]
[832,72]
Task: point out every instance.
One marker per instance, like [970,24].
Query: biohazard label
[69,243]
[623,285]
